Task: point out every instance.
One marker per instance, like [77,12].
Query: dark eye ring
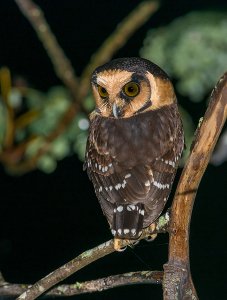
[102,92]
[131,89]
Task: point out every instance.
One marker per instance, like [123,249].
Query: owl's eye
[102,92]
[131,89]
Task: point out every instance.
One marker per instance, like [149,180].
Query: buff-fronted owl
[135,142]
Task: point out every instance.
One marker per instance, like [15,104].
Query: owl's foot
[118,245]
[151,237]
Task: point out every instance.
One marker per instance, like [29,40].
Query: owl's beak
[116,110]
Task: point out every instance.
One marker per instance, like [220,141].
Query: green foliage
[50,108]
[192,49]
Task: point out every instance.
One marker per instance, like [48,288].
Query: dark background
[46,220]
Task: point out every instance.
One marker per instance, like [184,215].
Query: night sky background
[46,220]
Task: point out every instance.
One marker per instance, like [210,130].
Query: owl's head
[127,86]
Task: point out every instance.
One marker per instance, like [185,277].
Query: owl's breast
[140,138]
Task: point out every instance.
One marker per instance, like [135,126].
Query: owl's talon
[118,245]
[121,249]
[135,243]
[152,227]
[151,237]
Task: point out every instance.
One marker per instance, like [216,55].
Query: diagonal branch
[61,63]
[85,259]
[117,39]
[177,279]
[101,284]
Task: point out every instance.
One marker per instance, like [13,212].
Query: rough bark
[177,283]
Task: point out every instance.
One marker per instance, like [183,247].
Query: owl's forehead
[113,77]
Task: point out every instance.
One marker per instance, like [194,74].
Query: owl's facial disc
[120,93]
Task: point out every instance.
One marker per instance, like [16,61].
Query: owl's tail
[128,220]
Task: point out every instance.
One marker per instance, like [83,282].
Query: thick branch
[84,259]
[180,285]
[140,277]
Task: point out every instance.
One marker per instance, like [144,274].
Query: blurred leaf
[15,98]
[34,146]
[89,103]
[80,145]
[47,163]
[52,106]
[34,99]
[192,49]
[60,148]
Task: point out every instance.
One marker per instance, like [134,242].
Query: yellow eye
[131,89]
[102,92]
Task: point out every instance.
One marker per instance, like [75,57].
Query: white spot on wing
[120,208]
[124,184]
[161,186]
[147,183]
[118,186]
[128,175]
[141,212]
[133,231]
[170,162]
[131,207]
[150,172]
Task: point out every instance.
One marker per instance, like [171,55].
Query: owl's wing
[134,161]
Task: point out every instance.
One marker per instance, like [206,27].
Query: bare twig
[62,65]
[83,260]
[117,39]
[101,284]
[177,278]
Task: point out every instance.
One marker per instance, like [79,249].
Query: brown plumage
[135,143]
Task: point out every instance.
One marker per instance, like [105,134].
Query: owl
[134,145]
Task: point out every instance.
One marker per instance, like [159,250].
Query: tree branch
[85,259]
[117,40]
[177,278]
[61,63]
[78,288]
